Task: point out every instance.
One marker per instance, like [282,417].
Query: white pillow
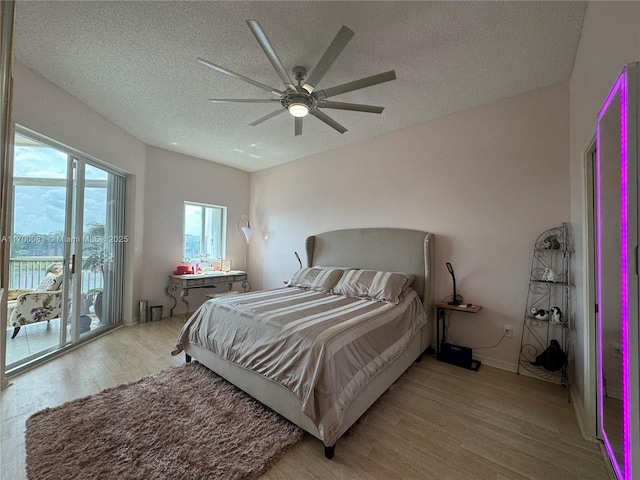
[373,284]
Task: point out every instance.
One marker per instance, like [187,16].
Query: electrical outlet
[508,331]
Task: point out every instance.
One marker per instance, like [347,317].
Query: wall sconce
[245,232]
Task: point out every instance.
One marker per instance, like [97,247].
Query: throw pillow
[50,283]
[320,279]
[373,284]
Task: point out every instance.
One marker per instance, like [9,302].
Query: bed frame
[387,249]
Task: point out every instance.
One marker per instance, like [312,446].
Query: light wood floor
[37,337]
[438,422]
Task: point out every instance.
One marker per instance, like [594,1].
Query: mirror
[612,258]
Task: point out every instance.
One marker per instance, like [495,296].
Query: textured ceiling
[135,63]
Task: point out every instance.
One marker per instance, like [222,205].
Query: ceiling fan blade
[356,85]
[244,100]
[350,106]
[327,119]
[271,53]
[298,126]
[267,117]
[335,48]
[220,69]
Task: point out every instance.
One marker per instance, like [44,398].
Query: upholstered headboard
[387,249]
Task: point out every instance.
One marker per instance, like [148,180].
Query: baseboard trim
[581,415]
[492,362]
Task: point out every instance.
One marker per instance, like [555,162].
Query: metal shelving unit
[549,287]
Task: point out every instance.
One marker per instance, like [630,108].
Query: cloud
[39,162]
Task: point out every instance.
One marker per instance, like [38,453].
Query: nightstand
[449,353]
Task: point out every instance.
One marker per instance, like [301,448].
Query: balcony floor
[38,337]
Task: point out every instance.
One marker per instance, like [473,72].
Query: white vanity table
[218,279]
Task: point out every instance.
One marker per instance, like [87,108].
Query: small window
[204,231]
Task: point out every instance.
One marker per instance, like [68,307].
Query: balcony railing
[28,272]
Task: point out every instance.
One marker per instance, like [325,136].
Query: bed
[318,358]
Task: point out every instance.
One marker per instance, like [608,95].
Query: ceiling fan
[303,98]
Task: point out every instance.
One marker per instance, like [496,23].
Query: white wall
[486,181]
[610,38]
[159,182]
[171,179]
[50,111]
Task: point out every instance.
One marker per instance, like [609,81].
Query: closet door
[617,278]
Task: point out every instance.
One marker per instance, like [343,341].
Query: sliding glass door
[36,266]
[67,250]
[103,233]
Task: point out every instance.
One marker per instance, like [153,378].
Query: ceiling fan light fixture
[298,109]
[301,99]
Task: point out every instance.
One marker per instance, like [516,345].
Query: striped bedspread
[324,348]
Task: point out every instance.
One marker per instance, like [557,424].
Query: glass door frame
[73,251]
[72,256]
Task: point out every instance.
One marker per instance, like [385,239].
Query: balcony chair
[40,305]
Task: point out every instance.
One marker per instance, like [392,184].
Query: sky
[41,209]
